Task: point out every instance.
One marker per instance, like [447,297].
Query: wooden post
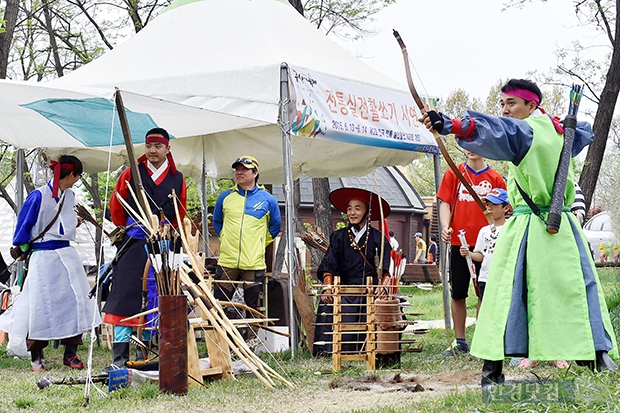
[131,156]
[219,354]
[371,325]
[193,359]
[337,328]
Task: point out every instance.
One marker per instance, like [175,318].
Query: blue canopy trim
[90,120]
[378,142]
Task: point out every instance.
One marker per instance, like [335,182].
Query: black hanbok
[343,260]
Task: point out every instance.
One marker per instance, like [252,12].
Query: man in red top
[159,177]
[458,211]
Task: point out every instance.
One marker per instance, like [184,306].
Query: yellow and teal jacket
[246,222]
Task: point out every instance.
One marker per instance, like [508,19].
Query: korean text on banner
[340,110]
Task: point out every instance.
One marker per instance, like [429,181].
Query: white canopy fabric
[225,55]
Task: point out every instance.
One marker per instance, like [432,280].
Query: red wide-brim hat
[340,200]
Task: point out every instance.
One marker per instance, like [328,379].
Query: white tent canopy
[225,55]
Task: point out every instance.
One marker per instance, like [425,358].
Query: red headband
[157,139]
[530,96]
[524,94]
[163,141]
[56,167]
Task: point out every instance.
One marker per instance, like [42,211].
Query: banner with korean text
[340,110]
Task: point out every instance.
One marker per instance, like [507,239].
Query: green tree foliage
[53,37]
[458,102]
[345,18]
[420,173]
[221,186]
[555,101]
[492,104]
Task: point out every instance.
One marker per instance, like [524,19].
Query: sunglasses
[245,161]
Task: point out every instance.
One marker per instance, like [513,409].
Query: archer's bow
[459,175]
[442,147]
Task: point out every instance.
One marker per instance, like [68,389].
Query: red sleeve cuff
[457,129]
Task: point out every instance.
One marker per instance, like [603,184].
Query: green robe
[536,302]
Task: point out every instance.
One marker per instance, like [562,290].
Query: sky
[468,44]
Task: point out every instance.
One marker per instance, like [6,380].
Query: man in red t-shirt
[458,211]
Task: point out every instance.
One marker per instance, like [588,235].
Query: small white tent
[225,55]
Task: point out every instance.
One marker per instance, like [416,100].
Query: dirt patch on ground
[412,383]
[451,380]
[389,390]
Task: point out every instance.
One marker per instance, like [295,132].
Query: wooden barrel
[387,315]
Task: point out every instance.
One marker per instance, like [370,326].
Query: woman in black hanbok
[351,256]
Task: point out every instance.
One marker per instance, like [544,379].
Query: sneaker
[527,363]
[459,350]
[73,362]
[38,365]
[515,361]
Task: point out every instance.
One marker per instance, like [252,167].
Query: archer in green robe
[543,298]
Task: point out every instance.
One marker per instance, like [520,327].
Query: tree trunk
[5,195]
[602,122]
[96,25]
[322,213]
[52,38]
[6,38]
[93,189]
[134,14]
[299,228]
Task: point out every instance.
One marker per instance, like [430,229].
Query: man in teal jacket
[246,218]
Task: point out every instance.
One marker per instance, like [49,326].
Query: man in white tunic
[54,302]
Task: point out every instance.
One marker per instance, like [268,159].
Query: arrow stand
[350,334]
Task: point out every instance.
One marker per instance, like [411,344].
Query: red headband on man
[163,141]
[157,139]
[524,94]
[530,96]
[56,167]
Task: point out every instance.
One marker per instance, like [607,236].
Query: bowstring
[447,249]
[427,95]
[96,308]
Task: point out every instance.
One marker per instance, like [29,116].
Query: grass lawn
[315,390]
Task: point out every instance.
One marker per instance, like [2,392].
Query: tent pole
[442,245]
[205,207]
[20,164]
[19,179]
[288,196]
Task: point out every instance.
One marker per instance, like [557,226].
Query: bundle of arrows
[201,293]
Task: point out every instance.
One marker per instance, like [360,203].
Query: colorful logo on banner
[340,110]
